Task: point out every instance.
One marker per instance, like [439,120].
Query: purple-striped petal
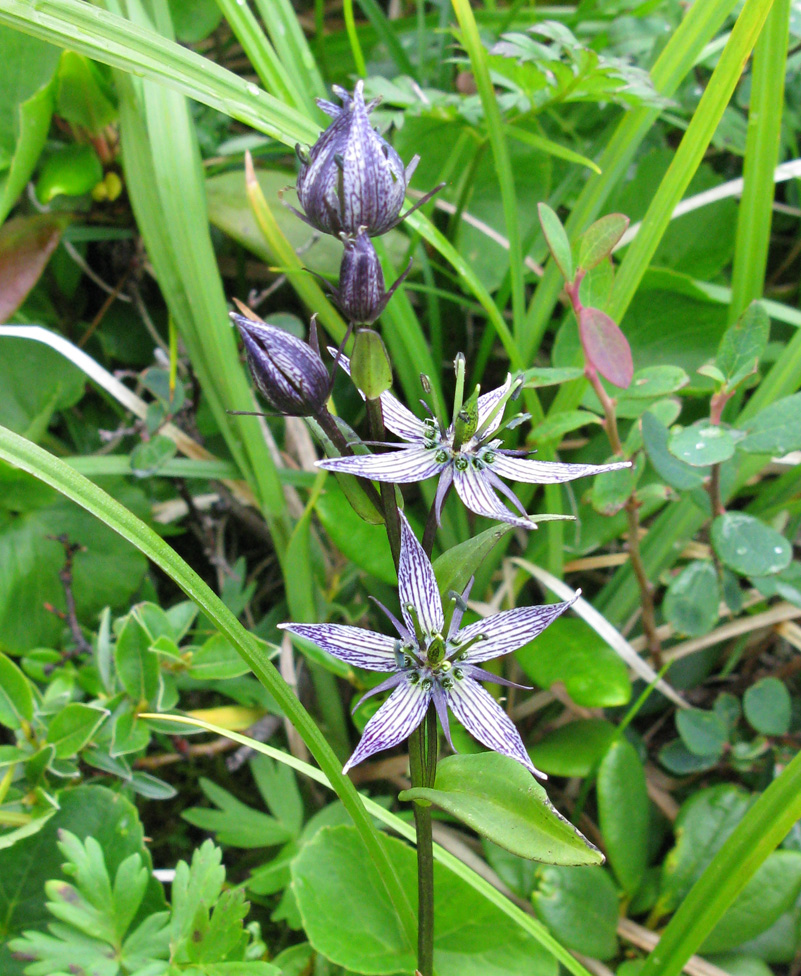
[507,631]
[391,682]
[354,645]
[395,721]
[481,674]
[477,494]
[440,700]
[400,467]
[547,472]
[484,718]
[486,405]
[417,584]
[397,418]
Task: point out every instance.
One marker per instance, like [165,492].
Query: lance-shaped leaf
[600,238]
[606,348]
[496,797]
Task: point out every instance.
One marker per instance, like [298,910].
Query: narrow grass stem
[388,504]
[423,768]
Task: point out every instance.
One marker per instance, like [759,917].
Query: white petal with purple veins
[396,467]
[484,718]
[547,472]
[477,494]
[395,721]
[417,584]
[506,632]
[486,404]
[354,645]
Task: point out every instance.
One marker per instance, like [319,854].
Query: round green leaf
[574,749]
[656,381]
[692,599]
[748,546]
[768,706]
[677,758]
[624,813]
[500,800]
[571,652]
[579,905]
[701,444]
[704,733]
[334,881]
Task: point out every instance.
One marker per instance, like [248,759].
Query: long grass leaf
[261,54]
[113,40]
[59,475]
[471,41]
[290,44]
[761,156]
[762,829]
[700,24]
[689,154]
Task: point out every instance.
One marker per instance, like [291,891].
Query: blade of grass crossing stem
[290,43]
[471,41]
[761,156]
[164,180]
[762,829]
[688,156]
[550,147]
[112,40]
[261,54]
[406,830]
[699,25]
[285,256]
[353,38]
[42,465]
[665,539]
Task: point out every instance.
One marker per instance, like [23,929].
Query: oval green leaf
[748,546]
[768,706]
[624,813]
[701,444]
[500,800]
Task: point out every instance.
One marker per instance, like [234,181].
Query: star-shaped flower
[473,464]
[434,660]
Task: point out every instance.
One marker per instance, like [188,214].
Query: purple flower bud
[289,373]
[352,178]
[361,295]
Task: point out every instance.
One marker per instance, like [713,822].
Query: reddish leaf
[606,348]
[26,244]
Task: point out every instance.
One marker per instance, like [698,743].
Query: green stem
[388,503]
[423,770]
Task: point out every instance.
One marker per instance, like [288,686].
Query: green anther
[458,673]
[418,630]
[445,666]
[488,457]
[414,677]
[465,422]
[461,463]
[441,457]
[426,683]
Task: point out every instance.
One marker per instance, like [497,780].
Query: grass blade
[762,829]
[471,41]
[761,156]
[689,154]
[111,39]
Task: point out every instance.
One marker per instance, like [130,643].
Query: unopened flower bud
[289,373]
[369,364]
[361,295]
[351,177]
